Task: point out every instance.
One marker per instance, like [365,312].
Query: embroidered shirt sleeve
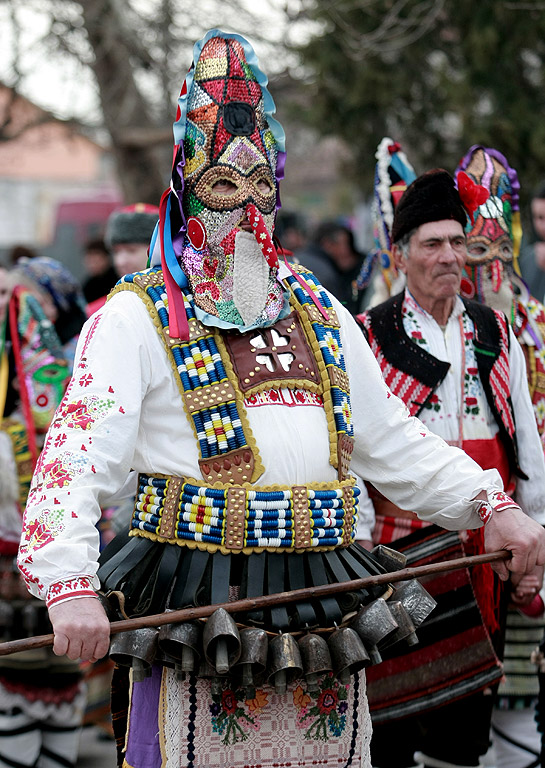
[87,456]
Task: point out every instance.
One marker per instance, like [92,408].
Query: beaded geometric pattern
[227,139]
[329,338]
[218,427]
[222,75]
[246,518]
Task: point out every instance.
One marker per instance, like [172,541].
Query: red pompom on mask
[472,195]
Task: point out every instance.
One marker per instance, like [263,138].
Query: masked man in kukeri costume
[457,366]
[491,277]
[239,390]
[393,174]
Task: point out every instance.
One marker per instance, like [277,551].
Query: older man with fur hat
[457,366]
[239,390]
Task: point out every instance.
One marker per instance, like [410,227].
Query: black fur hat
[132,224]
[431,197]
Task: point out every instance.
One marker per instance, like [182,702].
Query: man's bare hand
[81,628]
[511,529]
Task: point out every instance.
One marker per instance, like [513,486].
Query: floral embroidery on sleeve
[41,530]
[57,471]
[82,413]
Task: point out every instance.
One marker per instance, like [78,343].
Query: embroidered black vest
[413,374]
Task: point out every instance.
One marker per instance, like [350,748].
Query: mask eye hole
[224,187]
[477,250]
[263,185]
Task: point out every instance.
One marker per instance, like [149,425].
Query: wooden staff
[266,601]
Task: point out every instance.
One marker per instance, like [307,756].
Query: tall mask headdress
[217,218]
[493,237]
[393,174]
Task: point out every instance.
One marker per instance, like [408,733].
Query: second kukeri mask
[493,238]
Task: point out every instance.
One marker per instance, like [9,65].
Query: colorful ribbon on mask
[174,276]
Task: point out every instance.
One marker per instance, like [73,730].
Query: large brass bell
[285,662]
[373,623]
[416,600]
[316,659]
[405,630]
[182,642]
[390,559]
[135,649]
[221,641]
[347,653]
[253,657]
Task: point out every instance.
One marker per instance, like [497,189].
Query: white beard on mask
[251,275]
[501,300]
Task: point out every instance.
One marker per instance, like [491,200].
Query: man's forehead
[439,229]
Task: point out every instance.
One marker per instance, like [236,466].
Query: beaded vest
[215,371]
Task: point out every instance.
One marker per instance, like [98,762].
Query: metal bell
[373,623]
[182,642]
[390,559]
[208,671]
[285,662]
[416,600]
[253,657]
[135,649]
[405,629]
[348,653]
[316,659]
[221,641]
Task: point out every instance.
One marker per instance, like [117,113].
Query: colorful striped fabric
[454,656]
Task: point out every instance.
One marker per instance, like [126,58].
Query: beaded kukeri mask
[493,239]
[393,174]
[229,157]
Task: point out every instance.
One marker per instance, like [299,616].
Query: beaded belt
[246,518]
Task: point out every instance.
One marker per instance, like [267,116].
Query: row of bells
[219,650]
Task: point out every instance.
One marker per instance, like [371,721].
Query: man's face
[538,217]
[436,257]
[130,257]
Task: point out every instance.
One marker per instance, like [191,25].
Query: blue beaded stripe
[269,517]
[329,340]
[199,365]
